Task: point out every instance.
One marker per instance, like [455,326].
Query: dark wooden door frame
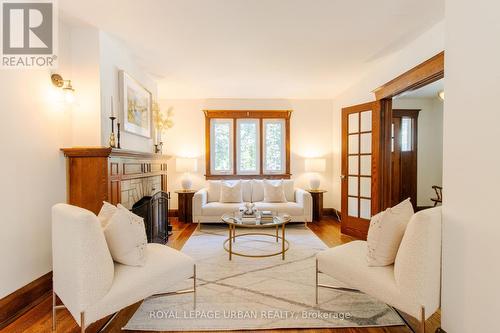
[421,75]
[413,114]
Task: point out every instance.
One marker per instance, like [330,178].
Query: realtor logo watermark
[29,34]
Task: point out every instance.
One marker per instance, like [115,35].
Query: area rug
[264,293]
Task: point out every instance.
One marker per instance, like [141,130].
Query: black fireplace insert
[154,210]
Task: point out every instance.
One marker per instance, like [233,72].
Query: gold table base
[229,248]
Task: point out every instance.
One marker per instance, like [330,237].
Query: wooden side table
[317,198]
[185,205]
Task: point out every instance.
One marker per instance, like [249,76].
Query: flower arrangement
[162,121]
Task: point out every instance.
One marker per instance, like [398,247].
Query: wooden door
[404,156]
[361,144]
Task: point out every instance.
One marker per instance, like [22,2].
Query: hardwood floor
[38,319]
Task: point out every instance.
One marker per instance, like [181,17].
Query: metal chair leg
[194,286]
[53,310]
[82,322]
[316,281]
[422,320]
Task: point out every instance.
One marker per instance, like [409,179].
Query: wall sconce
[441,95]
[59,82]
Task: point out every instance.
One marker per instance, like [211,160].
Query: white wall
[36,124]
[114,56]
[430,144]
[424,47]
[471,222]
[311,135]
[83,45]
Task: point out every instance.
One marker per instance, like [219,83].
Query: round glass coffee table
[234,221]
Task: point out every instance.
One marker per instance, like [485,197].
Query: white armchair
[412,284]
[90,285]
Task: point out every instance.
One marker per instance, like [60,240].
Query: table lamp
[315,166]
[187,166]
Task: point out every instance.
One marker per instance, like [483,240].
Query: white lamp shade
[186,164]
[315,165]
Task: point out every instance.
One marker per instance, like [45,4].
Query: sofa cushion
[219,208]
[213,190]
[289,188]
[126,237]
[231,192]
[246,190]
[273,191]
[386,232]
[163,268]
[290,208]
[257,190]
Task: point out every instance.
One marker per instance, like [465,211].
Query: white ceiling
[428,91]
[258,48]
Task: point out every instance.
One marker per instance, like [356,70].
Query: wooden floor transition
[38,319]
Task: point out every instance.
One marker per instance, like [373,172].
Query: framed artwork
[136,106]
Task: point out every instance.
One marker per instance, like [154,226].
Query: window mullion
[235,133]
[261,147]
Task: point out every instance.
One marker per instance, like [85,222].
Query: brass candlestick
[112,142]
[118,135]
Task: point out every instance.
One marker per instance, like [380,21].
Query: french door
[361,145]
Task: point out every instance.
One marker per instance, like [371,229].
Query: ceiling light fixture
[441,95]
[69,91]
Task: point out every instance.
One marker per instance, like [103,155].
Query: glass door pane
[359,164]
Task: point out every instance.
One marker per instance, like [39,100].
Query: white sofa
[208,209]
[412,284]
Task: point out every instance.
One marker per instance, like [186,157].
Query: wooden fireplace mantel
[95,174]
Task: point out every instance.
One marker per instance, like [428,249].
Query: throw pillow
[386,232]
[213,190]
[107,210]
[126,237]
[273,191]
[230,192]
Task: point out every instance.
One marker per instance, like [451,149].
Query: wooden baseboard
[352,232]
[173,212]
[332,212]
[14,305]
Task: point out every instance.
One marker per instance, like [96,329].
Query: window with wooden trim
[247,144]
